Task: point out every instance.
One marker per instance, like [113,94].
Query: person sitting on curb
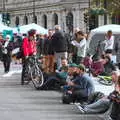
[108,66]
[57,79]
[81,87]
[101,105]
[61,77]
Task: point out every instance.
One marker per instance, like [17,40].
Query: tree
[112,6]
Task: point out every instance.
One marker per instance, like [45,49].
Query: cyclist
[29,49]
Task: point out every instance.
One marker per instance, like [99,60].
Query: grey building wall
[47,12]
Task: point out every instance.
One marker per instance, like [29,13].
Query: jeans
[101,106]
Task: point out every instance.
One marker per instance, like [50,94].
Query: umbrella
[26,28]
[98,35]
[4,27]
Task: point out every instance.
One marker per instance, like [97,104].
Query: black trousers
[24,64]
[6,62]
[115,113]
[79,95]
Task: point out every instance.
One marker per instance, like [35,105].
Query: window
[44,21]
[17,21]
[25,20]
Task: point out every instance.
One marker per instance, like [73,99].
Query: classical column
[63,20]
[101,20]
[78,17]
[21,19]
[74,19]
[50,20]
[13,19]
[30,18]
[82,25]
[38,19]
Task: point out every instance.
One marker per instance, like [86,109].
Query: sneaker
[81,109]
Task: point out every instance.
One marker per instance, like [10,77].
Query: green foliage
[112,6]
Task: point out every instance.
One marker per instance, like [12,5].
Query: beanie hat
[81,67]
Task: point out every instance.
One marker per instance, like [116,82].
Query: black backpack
[66,98]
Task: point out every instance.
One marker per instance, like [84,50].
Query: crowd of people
[64,60]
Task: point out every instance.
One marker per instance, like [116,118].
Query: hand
[34,53]
[73,42]
[26,57]
[70,92]
[71,83]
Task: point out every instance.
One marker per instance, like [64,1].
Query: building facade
[47,13]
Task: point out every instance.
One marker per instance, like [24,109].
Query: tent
[26,28]
[98,35]
[4,27]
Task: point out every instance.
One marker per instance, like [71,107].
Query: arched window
[55,19]
[17,22]
[69,21]
[44,21]
[25,20]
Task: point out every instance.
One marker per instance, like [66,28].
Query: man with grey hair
[60,45]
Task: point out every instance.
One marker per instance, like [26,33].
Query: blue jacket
[84,82]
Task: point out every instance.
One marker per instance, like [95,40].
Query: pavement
[25,103]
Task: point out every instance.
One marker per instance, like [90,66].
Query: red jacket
[29,47]
[97,67]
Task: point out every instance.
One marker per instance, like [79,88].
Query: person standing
[29,49]
[6,53]
[109,43]
[49,53]
[60,45]
[80,43]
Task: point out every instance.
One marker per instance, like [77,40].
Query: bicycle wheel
[37,76]
[105,82]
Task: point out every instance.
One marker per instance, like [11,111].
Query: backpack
[66,98]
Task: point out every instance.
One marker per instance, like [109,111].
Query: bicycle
[33,72]
[105,80]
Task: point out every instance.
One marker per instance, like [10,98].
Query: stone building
[47,13]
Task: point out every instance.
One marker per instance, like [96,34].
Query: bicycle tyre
[105,82]
[37,76]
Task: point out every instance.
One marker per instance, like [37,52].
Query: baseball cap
[81,67]
[73,65]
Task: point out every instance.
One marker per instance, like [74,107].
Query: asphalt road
[25,103]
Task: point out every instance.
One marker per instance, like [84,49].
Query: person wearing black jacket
[49,53]
[60,45]
[7,48]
